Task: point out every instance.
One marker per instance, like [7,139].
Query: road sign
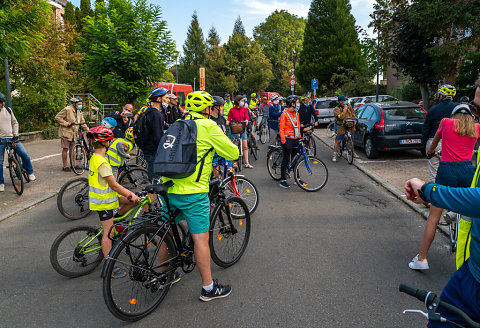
[202,78]
[314,84]
[292,82]
[292,87]
[293,77]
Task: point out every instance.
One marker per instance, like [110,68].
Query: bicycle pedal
[443,223]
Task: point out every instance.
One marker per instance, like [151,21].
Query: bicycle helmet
[226,95]
[99,134]
[464,98]
[281,98]
[129,134]
[341,98]
[157,92]
[273,97]
[2,97]
[291,99]
[253,95]
[447,90]
[75,99]
[109,122]
[244,96]
[197,101]
[462,108]
[218,101]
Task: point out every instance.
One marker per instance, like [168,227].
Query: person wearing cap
[464,100]
[67,131]
[228,105]
[172,113]
[342,112]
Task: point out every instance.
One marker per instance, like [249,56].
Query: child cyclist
[104,191]
[119,150]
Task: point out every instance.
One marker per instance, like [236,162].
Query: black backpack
[176,156]
[140,129]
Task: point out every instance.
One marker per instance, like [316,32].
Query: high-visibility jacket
[226,108]
[100,198]
[289,125]
[113,157]
[253,104]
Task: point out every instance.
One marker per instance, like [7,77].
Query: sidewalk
[47,165]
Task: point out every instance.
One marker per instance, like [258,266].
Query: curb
[423,212]
[28,205]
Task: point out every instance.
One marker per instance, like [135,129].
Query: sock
[209,287]
[334,153]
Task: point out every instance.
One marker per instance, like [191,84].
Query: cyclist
[264,110]
[68,132]
[464,100]
[239,114]
[9,132]
[228,105]
[191,196]
[435,114]
[281,101]
[216,114]
[274,113]
[289,136]
[307,112]
[119,149]
[104,190]
[342,111]
[109,122]
[253,105]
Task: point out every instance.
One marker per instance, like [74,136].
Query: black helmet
[464,98]
[291,99]
[75,99]
[226,95]
[218,101]
[2,97]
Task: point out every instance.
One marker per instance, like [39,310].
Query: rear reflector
[386,148]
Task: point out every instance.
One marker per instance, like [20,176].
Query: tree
[86,8]
[194,50]
[127,48]
[330,42]
[78,19]
[469,71]
[238,27]
[213,39]
[281,35]
[69,15]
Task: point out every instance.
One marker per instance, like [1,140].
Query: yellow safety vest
[464,227]
[253,104]
[113,158]
[100,198]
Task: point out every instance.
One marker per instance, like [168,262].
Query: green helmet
[197,101]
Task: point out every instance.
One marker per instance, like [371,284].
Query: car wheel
[369,149]
[424,152]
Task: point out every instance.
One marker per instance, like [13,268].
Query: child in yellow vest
[119,150]
[104,191]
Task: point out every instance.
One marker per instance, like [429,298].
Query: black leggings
[290,149]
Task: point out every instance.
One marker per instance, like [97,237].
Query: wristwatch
[421,191]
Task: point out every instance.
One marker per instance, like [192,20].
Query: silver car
[324,109]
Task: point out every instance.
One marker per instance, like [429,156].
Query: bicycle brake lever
[416,311]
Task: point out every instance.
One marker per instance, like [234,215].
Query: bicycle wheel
[274,163]
[340,149]
[246,191]
[240,156]
[453,232]
[331,130]
[311,147]
[140,159]
[134,179]
[78,159]
[72,199]
[77,251]
[264,134]
[147,282]
[311,175]
[229,241]
[252,146]
[16,175]
[349,150]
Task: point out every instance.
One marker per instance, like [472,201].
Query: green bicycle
[77,251]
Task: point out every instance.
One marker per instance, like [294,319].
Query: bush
[407,92]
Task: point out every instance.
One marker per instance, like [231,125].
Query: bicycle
[264,133]
[310,172]
[347,142]
[433,303]
[331,132]
[237,140]
[252,143]
[78,251]
[72,199]
[153,250]
[311,145]
[15,167]
[81,152]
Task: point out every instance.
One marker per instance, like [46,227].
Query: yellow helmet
[447,90]
[197,101]
[129,134]
[253,95]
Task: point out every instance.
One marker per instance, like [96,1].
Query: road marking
[363,162]
[45,157]
[392,160]
[410,160]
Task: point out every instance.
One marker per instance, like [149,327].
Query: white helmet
[273,97]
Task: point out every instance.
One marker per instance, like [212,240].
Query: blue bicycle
[310,172]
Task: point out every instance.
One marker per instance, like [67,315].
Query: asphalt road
[333,258]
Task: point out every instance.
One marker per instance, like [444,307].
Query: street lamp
[239,70]
[377,23]
[294,61]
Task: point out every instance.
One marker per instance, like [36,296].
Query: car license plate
[326,119]
[410,141]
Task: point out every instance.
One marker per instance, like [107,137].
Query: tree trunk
[425,96]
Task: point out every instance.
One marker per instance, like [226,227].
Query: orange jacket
[287,129]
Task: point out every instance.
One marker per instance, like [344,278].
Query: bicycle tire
[274,163]
[221,235]
[252,145]
[240,154]
[349,151]
[311,147]
[78,159]
[80,199]
[133,179]
[304,178]
[77,256]
[15,175]
[24,172]
[264,134]
[131,255]
[247,190]
[331,130]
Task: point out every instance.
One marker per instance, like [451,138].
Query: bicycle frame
[302,153]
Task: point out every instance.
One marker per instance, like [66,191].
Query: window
[403,113]
[322,104]
[181,98]
[367,113]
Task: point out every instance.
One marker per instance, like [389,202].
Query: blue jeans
[150,160]
[20,150]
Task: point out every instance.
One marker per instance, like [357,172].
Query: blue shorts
[195,208]
[455,174]
[462,291]
[217,161]
[150,160]
[242,135]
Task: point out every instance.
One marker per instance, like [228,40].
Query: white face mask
[276,102]
[242,103]
[297,107]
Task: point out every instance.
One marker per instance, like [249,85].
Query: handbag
[236,128]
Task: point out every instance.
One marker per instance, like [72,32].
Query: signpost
[314,87]
[293,82]
[202,78]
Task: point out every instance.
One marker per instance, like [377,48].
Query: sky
[223,13]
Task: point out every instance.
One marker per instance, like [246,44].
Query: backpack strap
[9,110]
[202,161]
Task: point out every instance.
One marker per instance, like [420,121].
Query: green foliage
[86,8]
[330,42]
[408,92]
[469,71]
[280,36]
[23,22]
[194,51]
[78,19]
[217,77]
[69,15]
[238,27]
[126,47]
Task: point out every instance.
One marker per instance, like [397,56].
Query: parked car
[324,109]
[389,126]
[180,90]
[369,99]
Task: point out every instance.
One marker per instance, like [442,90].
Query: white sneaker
[2,187]
[32,177]
[334,158]
[415,264]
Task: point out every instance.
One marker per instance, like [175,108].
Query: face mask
[275,102]
[164,105]
[297,107]
[242,103]
[227,100]
[79,107]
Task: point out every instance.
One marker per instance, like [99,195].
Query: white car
[359,101]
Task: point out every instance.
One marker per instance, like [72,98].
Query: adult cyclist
[190,195]
[307,113]
[253,105]
[216,115]
[342,112]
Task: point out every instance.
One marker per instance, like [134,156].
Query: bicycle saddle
[275,147]
[159,188]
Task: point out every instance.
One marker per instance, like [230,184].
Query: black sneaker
[218,291]
[284,184]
